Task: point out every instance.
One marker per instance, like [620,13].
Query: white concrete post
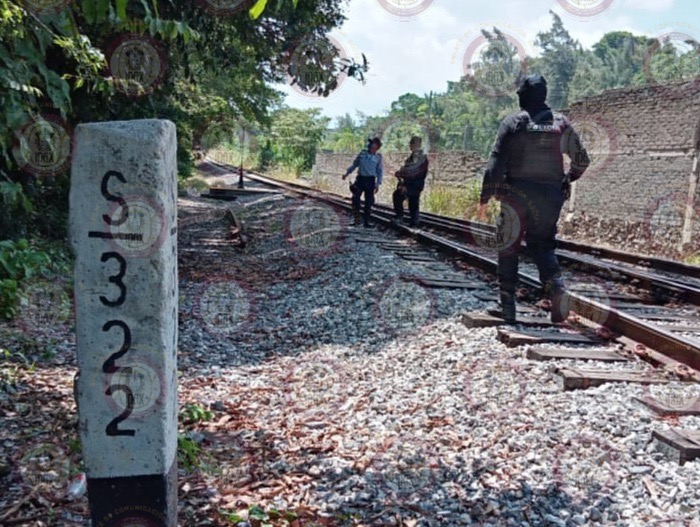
[123,217]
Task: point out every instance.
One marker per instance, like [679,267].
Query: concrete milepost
[123,217]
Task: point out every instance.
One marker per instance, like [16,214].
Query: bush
[18,262]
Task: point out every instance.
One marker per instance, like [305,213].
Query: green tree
[296,135]
[560,54]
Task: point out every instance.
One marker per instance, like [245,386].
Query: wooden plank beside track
[663,409]
[582,378]
[574,354]
[485,320]
[512,338]
[678,444]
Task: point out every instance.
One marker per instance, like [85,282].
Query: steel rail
[668,344]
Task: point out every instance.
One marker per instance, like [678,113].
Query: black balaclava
[532,94]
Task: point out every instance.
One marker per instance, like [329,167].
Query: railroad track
[597,323]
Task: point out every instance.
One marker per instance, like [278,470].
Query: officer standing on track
[411,178]
[368,180]
[526,174]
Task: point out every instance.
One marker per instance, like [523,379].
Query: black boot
[356,219]
[554,290]
[508,307]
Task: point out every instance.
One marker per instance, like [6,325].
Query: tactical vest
[535,153]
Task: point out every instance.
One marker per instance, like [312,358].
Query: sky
[421,52]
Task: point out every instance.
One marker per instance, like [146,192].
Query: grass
[457,202]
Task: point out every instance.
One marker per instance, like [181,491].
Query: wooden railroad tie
[485,320]
[665,408]
[574,354]
[679,445]
[448,283]
[513,338]
[582,378]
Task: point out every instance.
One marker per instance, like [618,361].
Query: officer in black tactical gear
[526,174]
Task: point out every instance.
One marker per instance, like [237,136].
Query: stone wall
[644,146]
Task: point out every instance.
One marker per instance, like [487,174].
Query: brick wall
[642,143]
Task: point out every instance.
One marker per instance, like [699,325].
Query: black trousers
[399,196]
[364,185]
[530,211]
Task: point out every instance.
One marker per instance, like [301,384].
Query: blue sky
[422,53]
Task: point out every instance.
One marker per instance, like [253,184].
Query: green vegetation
[466,115]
